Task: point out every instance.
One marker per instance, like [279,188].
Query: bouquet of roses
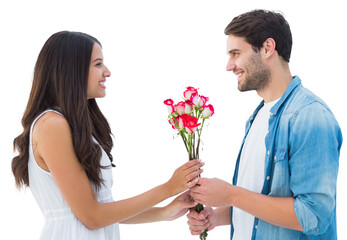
[188,118]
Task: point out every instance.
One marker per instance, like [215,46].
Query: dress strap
[38,117]
[31,152]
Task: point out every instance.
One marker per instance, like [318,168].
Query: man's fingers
[195,194]
[198,225]
[193,232]
[198,222]
[195,215]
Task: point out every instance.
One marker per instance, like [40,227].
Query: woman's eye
[98,64]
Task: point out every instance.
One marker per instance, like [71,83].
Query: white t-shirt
[251,169]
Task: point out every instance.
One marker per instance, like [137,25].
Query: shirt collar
[290,88]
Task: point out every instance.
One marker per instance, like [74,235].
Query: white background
[154,50]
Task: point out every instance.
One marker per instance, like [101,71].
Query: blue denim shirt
[302,159]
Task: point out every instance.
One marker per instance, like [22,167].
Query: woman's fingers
[195,164]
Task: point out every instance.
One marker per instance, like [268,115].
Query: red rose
[190,123]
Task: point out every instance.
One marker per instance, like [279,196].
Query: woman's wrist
[163,213]
[166,190]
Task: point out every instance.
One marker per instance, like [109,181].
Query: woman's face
[98,73]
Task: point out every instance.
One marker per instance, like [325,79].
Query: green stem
[197,149]
[202,125]
[199,137]
[198,208]
[193,145]
[190,152]
[184,140]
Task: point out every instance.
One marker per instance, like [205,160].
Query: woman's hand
[179,206]
[184,177]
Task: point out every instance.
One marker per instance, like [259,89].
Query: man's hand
[198,222]
[212,192]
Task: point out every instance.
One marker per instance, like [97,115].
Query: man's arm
[275,210]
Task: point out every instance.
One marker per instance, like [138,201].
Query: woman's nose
[107,73]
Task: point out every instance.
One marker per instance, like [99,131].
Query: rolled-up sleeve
[315,141]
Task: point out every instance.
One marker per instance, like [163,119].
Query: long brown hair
[60,82]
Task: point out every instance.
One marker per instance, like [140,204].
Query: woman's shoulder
[51,136]
[52,124]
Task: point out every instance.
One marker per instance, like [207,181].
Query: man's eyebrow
[234,50]
[97,59]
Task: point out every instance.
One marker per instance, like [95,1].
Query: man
[284,185]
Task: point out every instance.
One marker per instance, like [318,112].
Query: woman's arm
[54,151]
[177,208]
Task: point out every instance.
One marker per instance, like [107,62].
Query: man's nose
[230,66]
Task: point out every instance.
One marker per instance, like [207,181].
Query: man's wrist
[233,192]
[222,216]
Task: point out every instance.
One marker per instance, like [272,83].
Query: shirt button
[268,178]
[275,158]
[268,152]
[256,226]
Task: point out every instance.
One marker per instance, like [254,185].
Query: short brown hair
[258,25]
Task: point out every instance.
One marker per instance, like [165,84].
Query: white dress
[60,222]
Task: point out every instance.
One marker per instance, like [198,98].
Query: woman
[65,149]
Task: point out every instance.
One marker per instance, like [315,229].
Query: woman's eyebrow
[97,59]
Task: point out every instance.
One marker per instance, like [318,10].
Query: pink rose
[203,100]
[195,99]
[180,108]
[208,111]
[190,123]
[183,107]
[169,104]
[188,107]
[189,92]
[199,101]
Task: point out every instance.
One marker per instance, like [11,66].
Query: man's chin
[243,88]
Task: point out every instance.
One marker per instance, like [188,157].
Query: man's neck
[278,84]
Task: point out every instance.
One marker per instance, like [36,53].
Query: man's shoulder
[303,98]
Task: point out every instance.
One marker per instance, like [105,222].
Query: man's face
[252,73]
